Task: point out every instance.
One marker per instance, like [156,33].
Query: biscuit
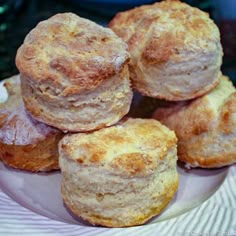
[175,49]
[121,175]
[205,127]
[25,143]
[74,74]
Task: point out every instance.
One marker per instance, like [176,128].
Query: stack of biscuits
[74,78]
[76,87]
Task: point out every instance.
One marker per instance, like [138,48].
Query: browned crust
[38,150]
[226,126]
[137,23]
[42,156]
[198,127]
[194,117]
[134,163]
[71,53]
[166,196]
[128,133]
[227,121]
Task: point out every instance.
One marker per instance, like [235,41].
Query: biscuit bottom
[114,200]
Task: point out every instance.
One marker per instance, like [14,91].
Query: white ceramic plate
[40,194]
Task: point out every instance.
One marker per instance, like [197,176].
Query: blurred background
[18,17]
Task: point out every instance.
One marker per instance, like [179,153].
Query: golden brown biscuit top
[133,147]
[163,29]
[70,50]
[17,127]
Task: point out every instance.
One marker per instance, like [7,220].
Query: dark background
[18,17]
